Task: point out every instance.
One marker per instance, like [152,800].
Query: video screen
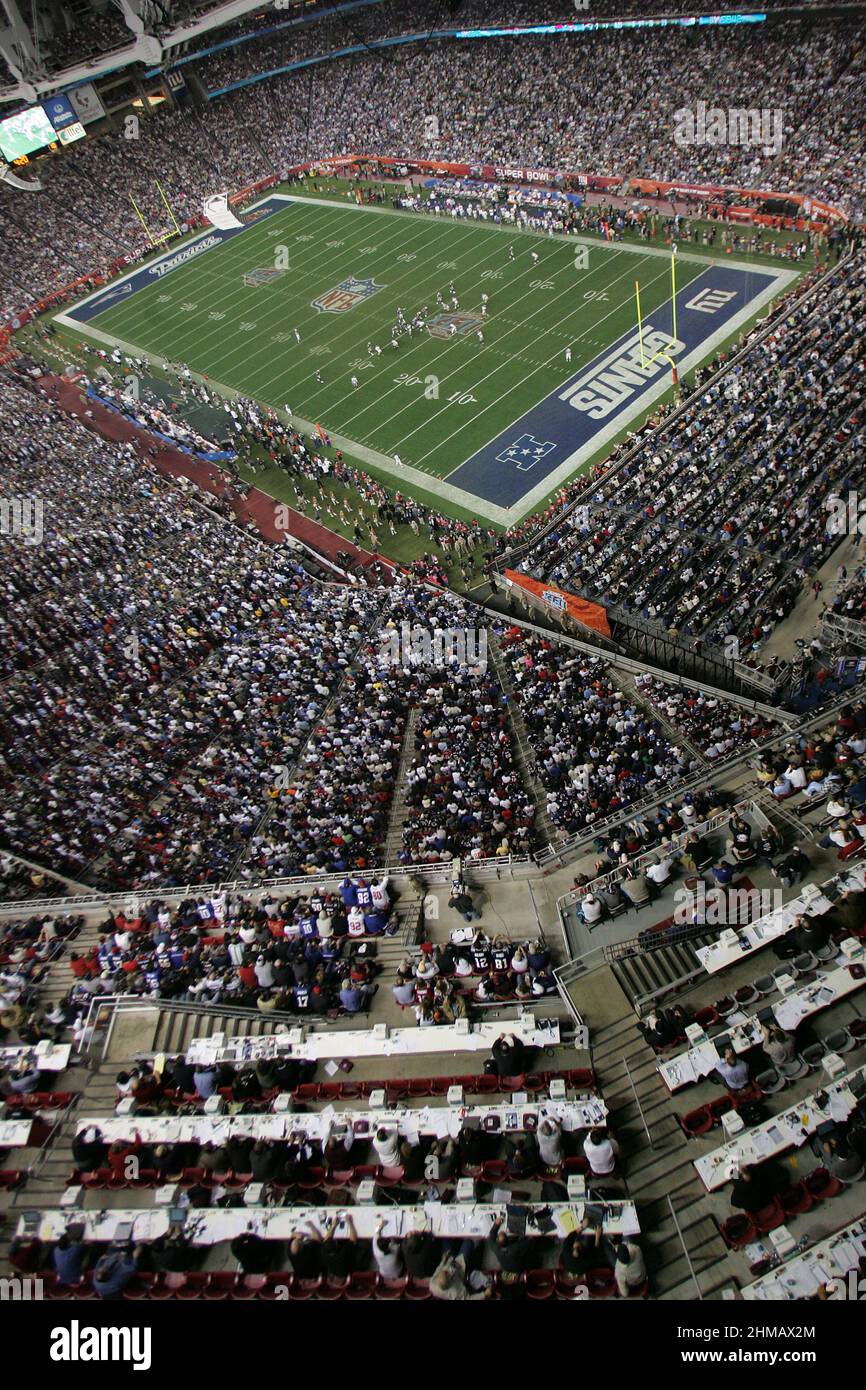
[25,132]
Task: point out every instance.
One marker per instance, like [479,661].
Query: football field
[289,309]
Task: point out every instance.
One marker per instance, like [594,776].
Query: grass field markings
[222,271]
[545,307]
[224,276]
[309,318]
[277,309]
[442,443]
[423,340]
[620,248]
[264,386]
[456,343]
[217,365]
[389,360]
[357,346]
[637,249]
[400,477]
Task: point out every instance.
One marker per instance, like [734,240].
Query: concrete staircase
[545,830]
[647,976]
[398,816]
[686,1256]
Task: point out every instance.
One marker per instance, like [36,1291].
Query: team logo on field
[262,275]
[526,452]
[463,321]
[345,295]
[116,292]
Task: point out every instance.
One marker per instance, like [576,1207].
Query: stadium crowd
[374,104]
[711,530]
[612,753]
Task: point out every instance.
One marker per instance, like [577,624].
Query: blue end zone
[172,260]
[608,391]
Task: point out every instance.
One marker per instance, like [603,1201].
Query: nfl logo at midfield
[464,322]
[345,296]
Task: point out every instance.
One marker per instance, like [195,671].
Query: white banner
[86,103]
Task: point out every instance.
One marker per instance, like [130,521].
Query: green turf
[432,401]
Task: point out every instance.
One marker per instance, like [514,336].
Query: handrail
[46,1149]
[618,871]
[638,1104]
[438,871]
[695,1280]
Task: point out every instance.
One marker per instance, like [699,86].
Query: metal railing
[619,871]
[46,1150]
[439,871]
[681,1237]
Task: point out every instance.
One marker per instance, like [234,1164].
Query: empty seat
[697,1122]
[820,1184]
[765,984]
[805,962]
[794,1069]
[840,1041]
[789,968]
[813,1055]
[768,1082]
[738,1230]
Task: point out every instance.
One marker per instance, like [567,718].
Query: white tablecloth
[789,1012]
[438,1120]
[210,1227]
[336,1044]
[47,1056]
[786,1131]
[804,1274]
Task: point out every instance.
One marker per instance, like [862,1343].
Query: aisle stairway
[398,816]
[647,976]
[545,831]
[656,1158]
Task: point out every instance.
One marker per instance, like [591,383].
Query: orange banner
[591,615]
